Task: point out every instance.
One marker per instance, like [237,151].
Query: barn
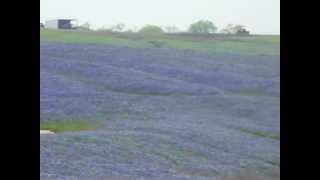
[61,24]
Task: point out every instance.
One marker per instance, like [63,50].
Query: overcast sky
[259,16]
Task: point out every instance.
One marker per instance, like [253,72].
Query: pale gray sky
[259,16]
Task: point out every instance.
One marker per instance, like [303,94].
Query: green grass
[85,37]
[67,126]
[252,92]
[275,136]
[252,45]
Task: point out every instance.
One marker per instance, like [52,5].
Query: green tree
[151,29]
[203,26]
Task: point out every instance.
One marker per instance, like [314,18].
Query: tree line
[200,27]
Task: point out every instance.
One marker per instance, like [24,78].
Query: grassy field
[251,45]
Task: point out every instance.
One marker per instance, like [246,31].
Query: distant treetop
[151,29]
[203,26]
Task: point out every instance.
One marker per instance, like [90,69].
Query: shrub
[151,29]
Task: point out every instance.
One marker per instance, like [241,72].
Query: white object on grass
[46,132]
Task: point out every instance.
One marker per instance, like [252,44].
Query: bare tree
[234,29]
[171,29]
[118,27]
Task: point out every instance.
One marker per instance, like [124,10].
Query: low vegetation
[275,136]
[67,126]
[250,175]
[250,45]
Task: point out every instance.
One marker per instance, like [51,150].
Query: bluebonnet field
[168,112]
